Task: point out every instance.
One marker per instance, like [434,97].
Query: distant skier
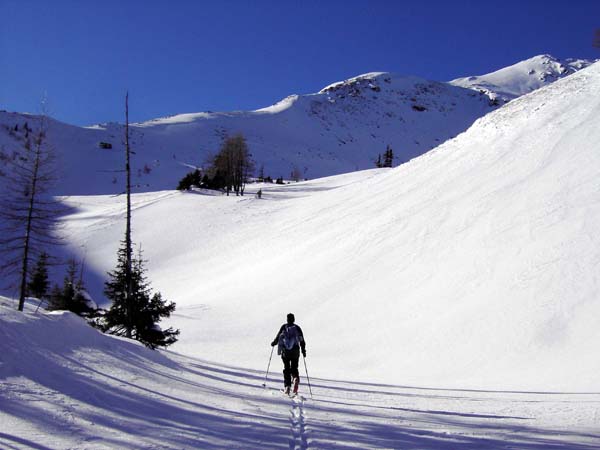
[290,340]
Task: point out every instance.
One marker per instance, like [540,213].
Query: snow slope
[340,129]
[523,77]
[473,266]
[63,385]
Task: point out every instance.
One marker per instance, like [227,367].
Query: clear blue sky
[222,55]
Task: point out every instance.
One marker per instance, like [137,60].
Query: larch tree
[28,212]
[234,163]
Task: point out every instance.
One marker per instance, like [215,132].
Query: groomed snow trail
[63,385]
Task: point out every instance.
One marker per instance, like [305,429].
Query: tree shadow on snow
[136,398]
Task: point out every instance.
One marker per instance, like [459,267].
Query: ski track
[299,439]
[210,406]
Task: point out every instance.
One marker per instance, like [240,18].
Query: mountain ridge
[510,82]
[341,128]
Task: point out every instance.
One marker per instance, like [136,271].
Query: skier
[290,340]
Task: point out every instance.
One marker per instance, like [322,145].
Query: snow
[340,129]
[349,81]
[474,265]
[327,133]
[449,302]
[280,106]
[65,385]
[523,77]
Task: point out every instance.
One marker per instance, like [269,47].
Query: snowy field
[65,385]
[451,302]
[474,266]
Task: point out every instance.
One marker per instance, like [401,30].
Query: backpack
[289,337]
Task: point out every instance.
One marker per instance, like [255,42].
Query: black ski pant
[290,365]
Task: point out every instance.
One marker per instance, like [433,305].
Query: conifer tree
[72,295]
[56,300]
[146,309]
[192,179]
[68,290]
[388,157]
[38,284]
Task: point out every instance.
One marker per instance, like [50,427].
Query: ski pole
[307,378]
[268,366]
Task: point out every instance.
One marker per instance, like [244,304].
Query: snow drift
[475,265]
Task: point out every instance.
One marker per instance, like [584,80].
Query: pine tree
[56,300]
[146,309]
[388,157]
[80,302]
[71,296]
[68,290]
[38,284]
[378,163]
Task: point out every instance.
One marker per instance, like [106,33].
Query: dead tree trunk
[128,244]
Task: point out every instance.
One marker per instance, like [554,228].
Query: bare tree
[28,213]
[234,163]
[128,242]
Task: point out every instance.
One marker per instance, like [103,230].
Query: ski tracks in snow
[299,439]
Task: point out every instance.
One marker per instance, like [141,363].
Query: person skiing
[290,340]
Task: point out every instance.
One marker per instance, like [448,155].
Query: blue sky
[189,56]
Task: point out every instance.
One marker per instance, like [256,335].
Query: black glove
[274,343]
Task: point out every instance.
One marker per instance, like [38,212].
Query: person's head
[290,318]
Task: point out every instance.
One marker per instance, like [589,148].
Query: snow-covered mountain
[340,129]
[523,77]
[475,265]
[461,289]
